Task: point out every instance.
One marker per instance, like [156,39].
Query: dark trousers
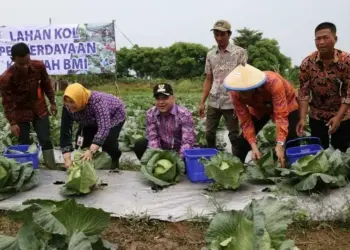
[140,147]
[212,122]
[110,145]
[243,147]
[339,140]
[42,129]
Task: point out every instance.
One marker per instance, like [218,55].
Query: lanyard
[80,140]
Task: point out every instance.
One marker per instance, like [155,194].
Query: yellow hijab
[78,94]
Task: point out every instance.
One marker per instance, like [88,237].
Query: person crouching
[101,117]
[169,126]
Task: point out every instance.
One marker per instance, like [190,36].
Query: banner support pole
[57,87]
[116,59]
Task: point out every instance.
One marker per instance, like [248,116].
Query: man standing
[325,76]
[22,88]
[169,126]
[220,61]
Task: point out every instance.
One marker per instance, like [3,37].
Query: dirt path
[142,234]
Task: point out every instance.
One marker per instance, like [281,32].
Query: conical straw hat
[244,78]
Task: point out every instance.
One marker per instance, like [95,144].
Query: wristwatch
[280,143]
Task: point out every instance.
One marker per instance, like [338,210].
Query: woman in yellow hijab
[101,117]
[76,97]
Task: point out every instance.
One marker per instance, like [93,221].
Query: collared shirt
[219,65]
[276,97]
[103,111]
[172,131]
[326,85]
[23,96]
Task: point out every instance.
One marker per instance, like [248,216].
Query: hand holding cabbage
[82,176]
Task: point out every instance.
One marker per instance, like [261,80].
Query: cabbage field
[134,127]
[267,223]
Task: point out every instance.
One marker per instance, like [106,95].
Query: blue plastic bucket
[23,158]
[195,169]
[297,152]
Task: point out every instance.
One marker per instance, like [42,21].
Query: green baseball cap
[222,25]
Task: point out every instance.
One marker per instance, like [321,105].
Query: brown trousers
[212,122]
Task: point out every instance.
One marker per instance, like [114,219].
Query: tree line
[186,60]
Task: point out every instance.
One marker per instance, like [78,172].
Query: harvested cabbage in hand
[82,178]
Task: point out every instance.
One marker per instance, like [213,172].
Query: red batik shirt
[276,97]
[325,86]
[23,97]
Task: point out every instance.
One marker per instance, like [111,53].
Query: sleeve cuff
[98,141]
[67,149]
[182,150]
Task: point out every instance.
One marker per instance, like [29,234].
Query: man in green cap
[220,61]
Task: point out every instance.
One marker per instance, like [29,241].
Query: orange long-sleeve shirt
[275,98]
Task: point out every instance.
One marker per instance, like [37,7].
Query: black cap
[162,89]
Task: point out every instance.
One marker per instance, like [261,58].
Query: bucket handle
[303,139]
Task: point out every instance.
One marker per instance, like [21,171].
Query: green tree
[180,60]
[247,37]
[123,64]
[263,53]
[184,60]
[145,61]
[187,60]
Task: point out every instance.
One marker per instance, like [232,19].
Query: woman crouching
[100,117]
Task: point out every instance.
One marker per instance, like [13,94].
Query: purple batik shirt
[174,131]
[103,111]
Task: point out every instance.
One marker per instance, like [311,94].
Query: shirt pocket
[322,88]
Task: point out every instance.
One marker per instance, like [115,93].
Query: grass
[144,88]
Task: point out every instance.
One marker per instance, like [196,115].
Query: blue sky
[163,22]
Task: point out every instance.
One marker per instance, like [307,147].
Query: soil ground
[143,234]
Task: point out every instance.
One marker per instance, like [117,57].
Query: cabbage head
[16,177]
[81,179]
[162,167]
[227,170]
[262,224]
[267,169]
[327,169]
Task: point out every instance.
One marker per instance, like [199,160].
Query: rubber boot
[115,165]
[49,159]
